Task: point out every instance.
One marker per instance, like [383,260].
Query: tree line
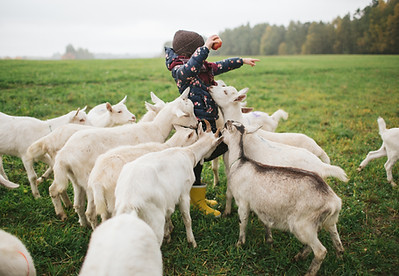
[372,30]
[80,53]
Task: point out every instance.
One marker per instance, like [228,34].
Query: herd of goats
[131,175]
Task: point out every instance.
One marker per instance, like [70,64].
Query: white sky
[45,27]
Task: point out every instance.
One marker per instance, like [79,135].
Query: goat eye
[120,111]
[82,120]
[225,92]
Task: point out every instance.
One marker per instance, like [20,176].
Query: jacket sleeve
[227,65]
[192,68]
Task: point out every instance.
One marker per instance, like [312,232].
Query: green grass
[334,99]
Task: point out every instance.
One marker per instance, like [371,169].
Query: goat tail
[60,183]
[382,127]
[279,114]
[135,213]
[335,171]
[332,212]
[35,150]
[8,184]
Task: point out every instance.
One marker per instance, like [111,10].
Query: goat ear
[200,130]
[246,109]
[155,99]
[84,108]
[184,95]
[240,98]
[228,125]
[190,135]
[219,140]
[123,100]
[243,91]
[150,107]
[179,113]
[108,106]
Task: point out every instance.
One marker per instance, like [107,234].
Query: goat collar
[26,259]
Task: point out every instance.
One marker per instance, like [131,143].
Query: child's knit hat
[186,42]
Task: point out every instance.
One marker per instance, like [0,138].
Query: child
[187,62]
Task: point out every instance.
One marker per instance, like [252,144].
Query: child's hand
[211,40]
[250,61]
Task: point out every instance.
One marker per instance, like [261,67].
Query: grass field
[334,99]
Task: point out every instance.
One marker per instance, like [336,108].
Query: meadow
[335,99]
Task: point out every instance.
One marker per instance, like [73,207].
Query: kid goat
[17,133]
[105,173]
[389,148]
[124,245]
[284,198]
[14,257]
[154,183]
[229,101]
[107,115]
[76,159]
[102,115]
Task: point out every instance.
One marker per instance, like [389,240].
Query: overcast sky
[45,27]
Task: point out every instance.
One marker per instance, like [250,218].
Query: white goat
[277,154]
[54,141]
[154,183]
[253,118]
[107,115]
[124,245]
[284,198]
[14,257]
[389,148]
[105,173]
[17,133]
[229,101]
[77,158]
[259,118]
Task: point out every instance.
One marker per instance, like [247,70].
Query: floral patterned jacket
[197,74]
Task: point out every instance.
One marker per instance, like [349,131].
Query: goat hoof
[63,217]
[240,243]
[297,257]
[340,255]
[359,169]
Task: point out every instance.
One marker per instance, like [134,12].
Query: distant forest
[372,30]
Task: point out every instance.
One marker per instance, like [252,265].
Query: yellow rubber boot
[211,202]
[197,195]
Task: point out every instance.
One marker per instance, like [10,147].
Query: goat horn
[77,111]
[208,126]
[217,132]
